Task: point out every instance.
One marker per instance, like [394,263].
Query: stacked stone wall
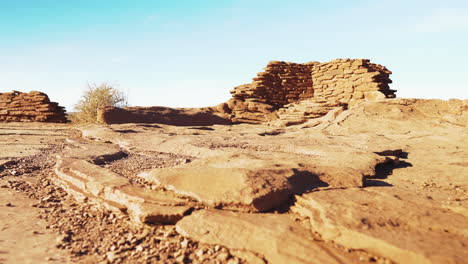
[341,81]
[348,81]
[281,83]
[30,107]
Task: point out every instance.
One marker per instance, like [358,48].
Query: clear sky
[191,53]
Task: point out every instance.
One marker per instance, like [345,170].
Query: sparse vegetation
[94,97]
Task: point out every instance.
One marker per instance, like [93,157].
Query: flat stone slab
[87,181]
[393,223]
[232,181]
[255,182]
[277,237]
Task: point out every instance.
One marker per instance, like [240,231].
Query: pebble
[222,256]
[200,252]
[110,256]
[233,261]
[181,259]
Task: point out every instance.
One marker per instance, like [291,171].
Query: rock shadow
[272,133]
[305,181]
[203,128]
[301,182]
[125,131]
[149,126]
[399,153]
[383,170]
[375,183]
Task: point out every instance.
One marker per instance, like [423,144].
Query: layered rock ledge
[27,107]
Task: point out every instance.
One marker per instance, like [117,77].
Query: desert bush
[94,97]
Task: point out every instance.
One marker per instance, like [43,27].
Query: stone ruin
[290,92]
[30,107]
[317,87]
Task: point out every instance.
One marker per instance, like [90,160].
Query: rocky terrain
[309,163]
[380,181]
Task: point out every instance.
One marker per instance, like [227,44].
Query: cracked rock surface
[383,181]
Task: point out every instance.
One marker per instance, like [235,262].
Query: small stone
[223,256]
[110,256]
[9,205]
[200,252]
[180,259]
[184,243]
[233,261]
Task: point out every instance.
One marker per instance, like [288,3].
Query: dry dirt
[383,182]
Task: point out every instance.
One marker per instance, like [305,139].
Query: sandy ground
[24,237]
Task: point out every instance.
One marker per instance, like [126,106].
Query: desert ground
[381,182]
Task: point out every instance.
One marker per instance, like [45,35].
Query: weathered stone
[277,237]
[414,231]
[233,181]
[86,181]
[161,115]
[33,106]
[374,96]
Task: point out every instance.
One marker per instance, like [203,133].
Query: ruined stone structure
[29,107]
[289,92]
[336,83]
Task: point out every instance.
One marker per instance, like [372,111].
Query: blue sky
[191,53]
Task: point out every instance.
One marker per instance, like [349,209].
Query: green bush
[94,97]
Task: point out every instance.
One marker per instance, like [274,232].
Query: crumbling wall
[341,81]
[26,107]
[348,81]
[281,83]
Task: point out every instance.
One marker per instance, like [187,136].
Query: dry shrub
[94,97]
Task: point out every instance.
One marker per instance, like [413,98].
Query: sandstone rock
[87,181]
[408,231]
[30,107]
[299,113]
[160,115]
[277,237]
[243,182]
[374,96]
